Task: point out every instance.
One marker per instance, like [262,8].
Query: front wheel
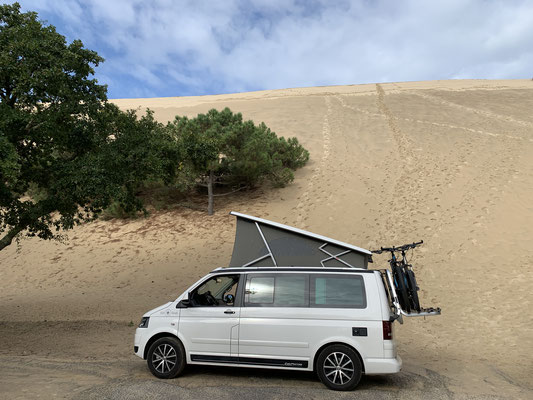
[339,367]
[166,358]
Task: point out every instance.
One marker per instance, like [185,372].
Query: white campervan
[336,322]
[335,319]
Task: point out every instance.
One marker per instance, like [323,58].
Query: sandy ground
[450,162]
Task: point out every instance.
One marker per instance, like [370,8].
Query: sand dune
[450,162]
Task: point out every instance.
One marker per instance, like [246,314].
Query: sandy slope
[450,162]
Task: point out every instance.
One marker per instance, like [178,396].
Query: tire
[401,288]
[415,302]
[166,358]
[339,367]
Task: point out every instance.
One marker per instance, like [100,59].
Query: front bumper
[377,366]
[139,343]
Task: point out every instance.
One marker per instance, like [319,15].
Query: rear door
[348,309]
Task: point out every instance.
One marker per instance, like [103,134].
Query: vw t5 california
[331,314]
[334,321]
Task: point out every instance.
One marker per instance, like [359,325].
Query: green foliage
[291,154]
[66,153]
[238,152]
[255,153]
[139,150]
[116,211]
[36,193]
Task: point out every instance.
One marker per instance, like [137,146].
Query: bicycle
[403,276]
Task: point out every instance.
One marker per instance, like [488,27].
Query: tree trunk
[210,197]
[9,236]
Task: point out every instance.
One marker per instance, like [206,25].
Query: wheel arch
[317,353]
[156,337]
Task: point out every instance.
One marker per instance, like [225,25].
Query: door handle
[229,312]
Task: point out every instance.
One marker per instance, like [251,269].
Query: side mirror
[185,302]
[229,299]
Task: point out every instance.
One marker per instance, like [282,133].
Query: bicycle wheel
[413,290]
[401,288]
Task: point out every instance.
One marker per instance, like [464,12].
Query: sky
[162,48]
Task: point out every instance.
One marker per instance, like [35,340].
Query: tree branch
[9,236]
[31,128]
[233,191]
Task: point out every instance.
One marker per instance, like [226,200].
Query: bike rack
[399,312]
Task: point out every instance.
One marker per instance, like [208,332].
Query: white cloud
[197,47]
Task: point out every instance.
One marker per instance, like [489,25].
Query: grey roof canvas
[263,243]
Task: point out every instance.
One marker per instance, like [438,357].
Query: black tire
[339,367]
[413,289]
[401,288]
[166,358]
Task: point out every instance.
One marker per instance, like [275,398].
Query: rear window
[283,290]
[338,291]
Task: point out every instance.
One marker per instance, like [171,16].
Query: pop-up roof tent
[263,243]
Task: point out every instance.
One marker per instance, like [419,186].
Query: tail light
[387,330]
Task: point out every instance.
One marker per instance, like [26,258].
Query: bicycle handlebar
[398,248]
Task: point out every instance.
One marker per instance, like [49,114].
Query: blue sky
[164,48]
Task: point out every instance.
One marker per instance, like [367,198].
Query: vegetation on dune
[60,138]
[220,148]
[67,154]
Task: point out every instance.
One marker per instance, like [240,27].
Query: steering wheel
[210,299]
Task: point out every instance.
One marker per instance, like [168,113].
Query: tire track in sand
[421,183]
[312,193]
[423,169]
[402,141]
[419,121]
[415,182]
[488,114]
[357,109]
[404,201]
[464,128]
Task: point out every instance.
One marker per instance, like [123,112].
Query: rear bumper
[377,366]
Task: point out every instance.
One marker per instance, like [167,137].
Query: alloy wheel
[164,358]
[338,368]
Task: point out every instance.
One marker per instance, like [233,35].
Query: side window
[217,291]
[260,290]
[283,290]
[291,291]
[338,291]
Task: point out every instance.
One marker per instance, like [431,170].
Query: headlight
[144,322]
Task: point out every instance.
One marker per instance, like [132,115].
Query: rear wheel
[401,288]
[339,367]
[166,358]
[415,302]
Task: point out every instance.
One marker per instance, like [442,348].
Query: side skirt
[250,361]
